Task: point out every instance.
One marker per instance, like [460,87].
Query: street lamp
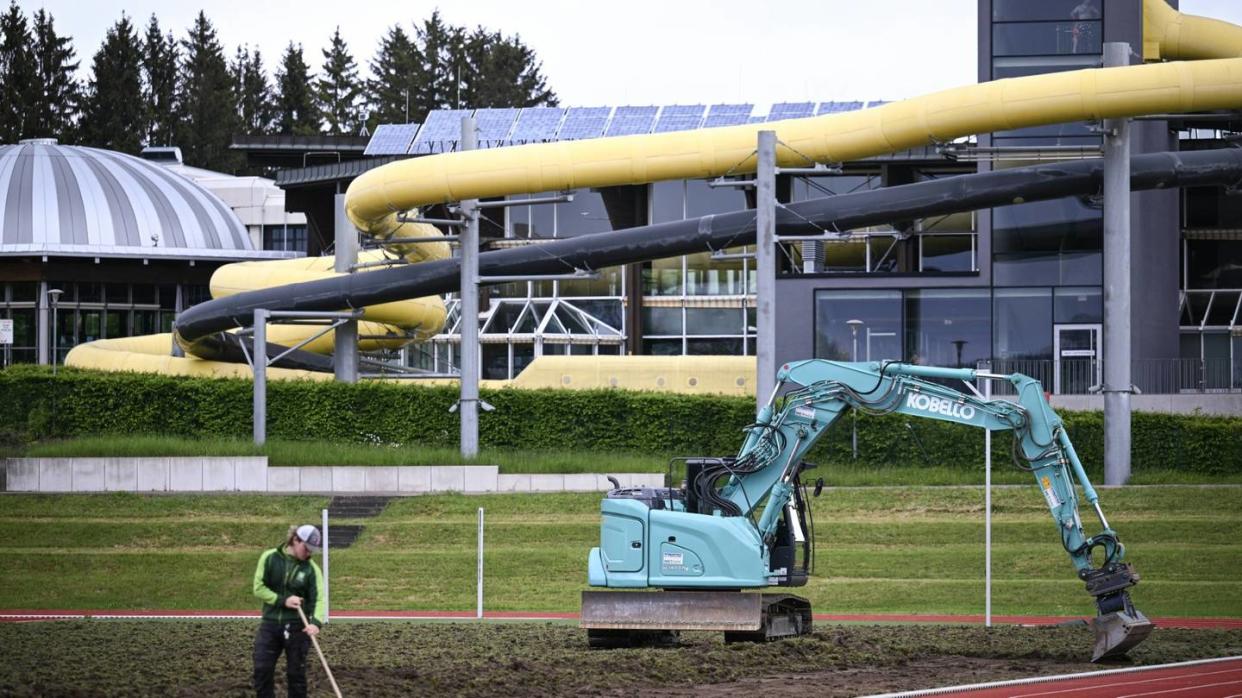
[958,344]
[854,325]
[53,295]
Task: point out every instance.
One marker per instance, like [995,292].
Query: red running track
[1219,678]
[57,614]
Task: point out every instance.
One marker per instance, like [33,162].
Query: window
[948,327]
[876,338]
[1078,305]
[947,253]
[1047,38]
[1027,10]
[1022,322]
[284,238]
[1048,242]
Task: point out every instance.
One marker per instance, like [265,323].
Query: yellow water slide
[380,200]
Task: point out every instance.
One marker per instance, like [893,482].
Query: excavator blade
[1117,632]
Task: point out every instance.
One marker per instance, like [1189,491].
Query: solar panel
[877,103]
[440,133]
[680,117]
[584,122]
[838,107]
[791,110]
[494,126]
[536,124]
[627,121]
[391,139]
[728,115]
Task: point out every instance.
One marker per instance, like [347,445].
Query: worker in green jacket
[287,579]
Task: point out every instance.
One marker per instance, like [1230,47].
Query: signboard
[6,331]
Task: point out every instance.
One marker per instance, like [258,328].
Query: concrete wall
[254,475]
[1223,404]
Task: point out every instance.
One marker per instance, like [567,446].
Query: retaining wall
[253,474]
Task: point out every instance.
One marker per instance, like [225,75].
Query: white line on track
[1045,679]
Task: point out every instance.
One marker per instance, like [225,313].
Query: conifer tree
[17,75]
[207,117]
[296,114]
[438,80]
[337,91]
[160,57]
[113,115]
[58,96]
[503,72]
[396,72]
[251,92]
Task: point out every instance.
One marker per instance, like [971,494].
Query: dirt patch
[401,658]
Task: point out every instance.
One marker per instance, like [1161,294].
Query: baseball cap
[310,536]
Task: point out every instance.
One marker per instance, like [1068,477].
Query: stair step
[352,507]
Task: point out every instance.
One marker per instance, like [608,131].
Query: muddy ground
[211,658]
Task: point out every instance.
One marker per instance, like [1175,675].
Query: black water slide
[202,329]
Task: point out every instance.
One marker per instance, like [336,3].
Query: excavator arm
[820,392]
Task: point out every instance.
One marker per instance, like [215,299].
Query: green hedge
[79,403]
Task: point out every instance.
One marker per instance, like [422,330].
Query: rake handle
[315,642]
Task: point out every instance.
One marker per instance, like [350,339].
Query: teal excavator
[744,523]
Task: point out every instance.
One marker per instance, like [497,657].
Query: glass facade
[286,238]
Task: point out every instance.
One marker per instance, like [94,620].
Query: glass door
[1076,367]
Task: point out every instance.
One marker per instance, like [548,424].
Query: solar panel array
[512,126]
[441,132]
[494,126]
[628,121]
[791,110]
[680,117]
[584,122]
[877,103]
[391,139]
[838,107]
[537,124]
[728,115]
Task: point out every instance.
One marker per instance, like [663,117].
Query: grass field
[916,550]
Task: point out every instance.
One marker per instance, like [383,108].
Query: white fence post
[479,612]
[325,565]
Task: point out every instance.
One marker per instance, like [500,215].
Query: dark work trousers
[269,642]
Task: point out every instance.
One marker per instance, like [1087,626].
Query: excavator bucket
[1117,632]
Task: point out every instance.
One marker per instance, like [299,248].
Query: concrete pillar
[1117,378]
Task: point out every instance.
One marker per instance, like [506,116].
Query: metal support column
[765,261]
[469,405]
[345,338]
[44,336]
[258,362]
[1117,382]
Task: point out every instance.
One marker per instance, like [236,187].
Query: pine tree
[58,95]
[252,94]
[17,75]
[159,69]
[296,114]
[438,81]
[113,115]
[207,117]
[396,72]
[338,90]
[504,72]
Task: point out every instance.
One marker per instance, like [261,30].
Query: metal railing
[1081,376]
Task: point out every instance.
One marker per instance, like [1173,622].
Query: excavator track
[633,618]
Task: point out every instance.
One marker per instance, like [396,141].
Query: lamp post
[958,344]
[53,296]
[406,92]
[854,325]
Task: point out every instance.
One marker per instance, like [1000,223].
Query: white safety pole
[987,511]
[325,565]
[479,613]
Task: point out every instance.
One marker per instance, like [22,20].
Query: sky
[629,52]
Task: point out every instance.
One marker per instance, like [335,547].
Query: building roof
[77,201]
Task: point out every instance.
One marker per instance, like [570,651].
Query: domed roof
[74,200]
